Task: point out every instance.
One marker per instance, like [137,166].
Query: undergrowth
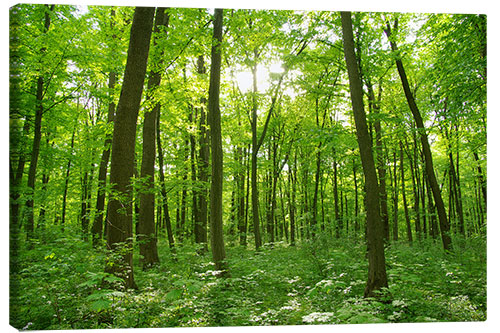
[61,285]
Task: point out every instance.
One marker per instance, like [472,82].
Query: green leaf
[364,318]
[174,294]
[100,304]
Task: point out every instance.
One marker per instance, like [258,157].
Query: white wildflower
[317,317]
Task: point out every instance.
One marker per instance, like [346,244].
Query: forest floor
[60,286]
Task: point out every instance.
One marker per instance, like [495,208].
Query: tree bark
[147,235]
[164,197]
[103,169]
[403,192]
[30,222]
[375,107]
[395,231]
[377,277]
[119,237]
[216,188]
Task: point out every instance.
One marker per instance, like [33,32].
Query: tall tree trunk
[255,147]
[193,162]
[293,180]
[356,199]
[166,213]
[338,222]
[240,181]
[216,188]
[403,192]
[204,164]
[40,87]
[416,194]
[147,236]
[443,222]
[480,176]
[395,231]
[97,226]
[375,107]
[377,277]
[66,182]
[119,235]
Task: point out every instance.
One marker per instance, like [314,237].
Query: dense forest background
[197,167]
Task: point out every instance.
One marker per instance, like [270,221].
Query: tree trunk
[293,180]
[147,236]
[30,222]
[416,194]
[443,222]
[403,192]
[66,182]
[395,231]
[216,189]
[119,237]
[338,223]
[240,190]
[166,213]
[356,199]
[97,226]
[255,190]
[375,103]
[204,164]
[103,169]
[377,277]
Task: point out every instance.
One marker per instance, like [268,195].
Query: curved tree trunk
[429,166]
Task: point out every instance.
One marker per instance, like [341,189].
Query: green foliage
[319,282]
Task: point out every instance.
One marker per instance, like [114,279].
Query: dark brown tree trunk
[338,223]
[97,226]
[255,148]
[83,205]
[216,188]
[377,277]
[403,192]
[443,221]
[204,164]
[375,108]
[240,190]
[356,199]
[193,162]
[200,195]
[395,231]
[147,235]
[66,182]
[416,194]
[166,213]
[119,235]
[30,222]
[292,176]
[480,177]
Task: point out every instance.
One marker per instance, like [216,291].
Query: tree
[39,110]
[216,188]
[123,147]
[429,165]
[97,226]
[377,277]
[147,239]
